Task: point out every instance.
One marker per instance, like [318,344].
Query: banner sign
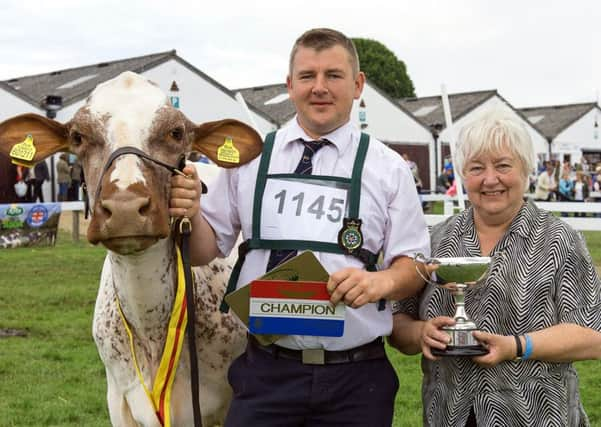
[294,308]
[28,224]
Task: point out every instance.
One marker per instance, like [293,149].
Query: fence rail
[578,223]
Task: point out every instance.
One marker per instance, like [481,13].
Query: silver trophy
[456,274]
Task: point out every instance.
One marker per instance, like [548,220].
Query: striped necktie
[304,167]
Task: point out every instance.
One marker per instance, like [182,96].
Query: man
[76,173]
[443,182]
[40,174]
[545,184]
[63,177]
[355,385]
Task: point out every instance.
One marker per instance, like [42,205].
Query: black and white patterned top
[541,275]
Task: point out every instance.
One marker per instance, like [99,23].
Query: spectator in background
[581,189]
[566,167]
[76,172]
[41,175]
[9,176]
[556,172]
[448,164]
[566,188]
[29,177]
[414,170]
[596,187]
[443,182]
[585,165]
[597,179]
[545,184]
[63,177]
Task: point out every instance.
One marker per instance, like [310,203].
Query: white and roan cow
[130,218]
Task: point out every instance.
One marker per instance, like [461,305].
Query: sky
[533,52]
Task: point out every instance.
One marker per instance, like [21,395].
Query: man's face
[322,88]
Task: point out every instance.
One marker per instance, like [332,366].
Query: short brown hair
[325,38]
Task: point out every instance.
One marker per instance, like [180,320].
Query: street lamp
[52,103]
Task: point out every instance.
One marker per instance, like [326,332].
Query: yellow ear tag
[23,152]
[227,152]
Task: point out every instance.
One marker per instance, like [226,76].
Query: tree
[383,68]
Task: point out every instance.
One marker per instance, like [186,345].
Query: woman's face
[495,184]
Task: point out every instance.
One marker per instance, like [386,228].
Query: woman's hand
[500,348]
[432,336]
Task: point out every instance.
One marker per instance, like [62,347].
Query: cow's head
[131,210]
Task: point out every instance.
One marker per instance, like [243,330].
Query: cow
[129,206]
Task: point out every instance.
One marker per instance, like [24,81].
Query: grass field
[53,376]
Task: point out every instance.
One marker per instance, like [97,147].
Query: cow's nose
[131,208]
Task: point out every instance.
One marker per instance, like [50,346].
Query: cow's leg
[119,411]
[140,407]
[129,406]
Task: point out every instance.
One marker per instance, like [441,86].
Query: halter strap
[133,150]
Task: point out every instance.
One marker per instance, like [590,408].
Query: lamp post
[52,103]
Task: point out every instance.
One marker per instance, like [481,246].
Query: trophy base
[460,351]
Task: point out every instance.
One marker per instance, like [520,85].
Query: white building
[572,130]
[465,107]
[197,95]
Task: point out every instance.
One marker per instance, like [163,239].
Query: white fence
[578,223]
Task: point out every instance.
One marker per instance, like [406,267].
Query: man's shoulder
[383,152]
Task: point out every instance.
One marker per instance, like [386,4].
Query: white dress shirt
[390,210]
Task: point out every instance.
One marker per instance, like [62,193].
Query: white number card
[294,210]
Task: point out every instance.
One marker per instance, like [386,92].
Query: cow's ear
[229,143]
[30,138]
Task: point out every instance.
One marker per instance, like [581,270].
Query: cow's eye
[177,134]
[76,138]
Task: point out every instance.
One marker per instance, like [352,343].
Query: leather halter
[135,151]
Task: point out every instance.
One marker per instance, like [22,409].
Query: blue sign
[28,224]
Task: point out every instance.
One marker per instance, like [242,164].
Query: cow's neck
[145,285]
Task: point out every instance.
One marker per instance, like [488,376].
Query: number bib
[301,209]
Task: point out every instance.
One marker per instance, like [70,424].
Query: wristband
[518,345]
[528,349]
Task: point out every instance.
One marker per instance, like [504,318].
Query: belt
[369,351]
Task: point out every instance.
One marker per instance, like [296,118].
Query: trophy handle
[422,259]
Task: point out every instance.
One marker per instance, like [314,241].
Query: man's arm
[406,334]
[357,287]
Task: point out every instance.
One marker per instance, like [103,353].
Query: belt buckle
[314,356]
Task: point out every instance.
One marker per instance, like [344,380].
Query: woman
[542,292]
[566,188]
[581,190]
[63,177]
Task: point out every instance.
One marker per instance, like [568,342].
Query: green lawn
[53,376]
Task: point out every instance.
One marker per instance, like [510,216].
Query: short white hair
[495,131]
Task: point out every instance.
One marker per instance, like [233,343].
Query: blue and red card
[293,308]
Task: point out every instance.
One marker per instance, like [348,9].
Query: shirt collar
[340,137]
[523,223]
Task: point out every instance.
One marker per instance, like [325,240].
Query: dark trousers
[37,191]
[73,193]
[34,191]
[271,391]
